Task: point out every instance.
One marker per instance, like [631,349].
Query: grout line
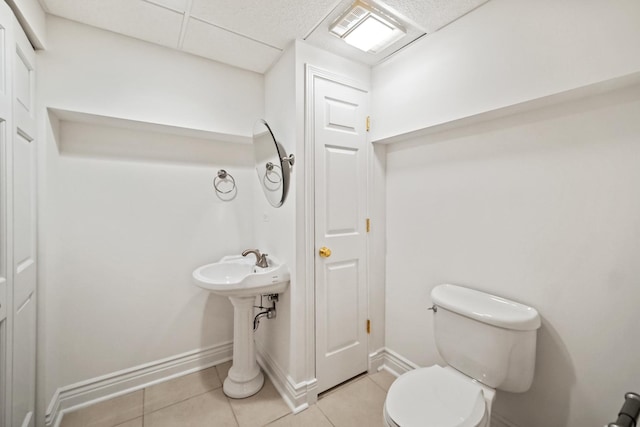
[383,389]
[237,33]
[235,417]
[180,401]
[279,418]
[326,416]
[186,398]
[144,397]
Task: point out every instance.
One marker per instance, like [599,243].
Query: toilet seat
[435,397]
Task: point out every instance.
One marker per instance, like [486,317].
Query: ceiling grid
[185,21]
[251,34]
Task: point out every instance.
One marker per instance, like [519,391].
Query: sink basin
[237,276]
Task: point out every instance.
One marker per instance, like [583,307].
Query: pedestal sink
[238,278]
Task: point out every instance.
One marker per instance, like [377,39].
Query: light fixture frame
[338,29]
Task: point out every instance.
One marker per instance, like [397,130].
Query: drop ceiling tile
[274,22]
[431,15]
[177,5]
[215,43]
[134,18]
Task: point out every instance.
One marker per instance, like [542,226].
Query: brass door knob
[324,252]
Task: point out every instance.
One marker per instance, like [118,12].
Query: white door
[24,231]
[5,270]
[340,114]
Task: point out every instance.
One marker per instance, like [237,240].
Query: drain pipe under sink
[268,312]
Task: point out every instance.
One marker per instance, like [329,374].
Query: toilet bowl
[437,397]
[488,343]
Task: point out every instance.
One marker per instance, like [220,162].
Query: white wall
[503,53]
[538,207]
[113,75]
[541,208]
[127,215]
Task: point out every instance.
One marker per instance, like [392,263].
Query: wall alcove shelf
[98,136]
[572,95]
[64,115]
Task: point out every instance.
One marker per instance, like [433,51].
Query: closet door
[17,225]
[340,141]
[24,230]
[6,38]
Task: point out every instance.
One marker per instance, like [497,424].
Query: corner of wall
[275,227]
[32,18]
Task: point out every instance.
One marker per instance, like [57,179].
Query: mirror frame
[285,163]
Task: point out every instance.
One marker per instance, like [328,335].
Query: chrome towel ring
[272,179]
[224,176]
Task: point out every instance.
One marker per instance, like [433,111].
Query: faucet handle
[262,261]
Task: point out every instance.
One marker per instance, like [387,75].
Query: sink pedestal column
[245,377]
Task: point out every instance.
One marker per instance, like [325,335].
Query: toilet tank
[486,337]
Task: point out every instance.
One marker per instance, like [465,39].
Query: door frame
[311,73]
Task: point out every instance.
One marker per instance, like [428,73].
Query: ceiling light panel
[367,29]
[373,35]
[324,39]
[349,20]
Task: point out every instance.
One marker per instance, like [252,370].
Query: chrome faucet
[261,259]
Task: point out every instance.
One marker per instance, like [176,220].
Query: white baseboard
[85,393]
[376,360]
[396,364]
[298,396]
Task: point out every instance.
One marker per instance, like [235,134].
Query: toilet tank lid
[486,308]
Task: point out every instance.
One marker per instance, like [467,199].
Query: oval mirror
[272,164]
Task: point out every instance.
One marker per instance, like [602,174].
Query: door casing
[313,72]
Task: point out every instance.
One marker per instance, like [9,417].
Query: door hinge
[368,123]
[368,326]
[368,225]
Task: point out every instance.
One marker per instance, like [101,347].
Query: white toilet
[488,343]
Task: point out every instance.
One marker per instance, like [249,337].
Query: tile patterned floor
[196,400]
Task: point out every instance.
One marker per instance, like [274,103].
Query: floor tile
[261,408]
[223,370]
[207,409]
[176,390]
[133,423]
[383,378]
[198,400]
[342,385]
[356,404]
[106,414]
[312,417]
